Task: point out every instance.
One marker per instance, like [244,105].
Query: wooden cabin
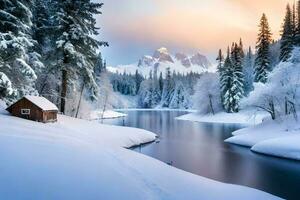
[34,108]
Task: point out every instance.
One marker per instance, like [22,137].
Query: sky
[134,28]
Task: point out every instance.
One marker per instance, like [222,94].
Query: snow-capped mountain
[162,59]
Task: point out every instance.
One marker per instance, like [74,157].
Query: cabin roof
[42,103]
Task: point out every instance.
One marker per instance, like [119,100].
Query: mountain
[162,59]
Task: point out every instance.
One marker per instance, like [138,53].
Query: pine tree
[138,80]
[220,60]
[287,37]
[221,70]
[44,34]
[248,72]
[237,77]
[294,24]
[168,89]
[76,25]
[241,48]
[262,61]
[297,25]
[161,82]
[180,98]
[226,84]
[99,65]
[16,49]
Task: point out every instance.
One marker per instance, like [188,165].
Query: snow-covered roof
[41,102]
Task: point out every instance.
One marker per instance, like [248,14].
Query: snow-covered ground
[108,114]
[278,138]
[78,159]
[154,109]
[245,117]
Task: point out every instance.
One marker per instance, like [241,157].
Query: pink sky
[139,26]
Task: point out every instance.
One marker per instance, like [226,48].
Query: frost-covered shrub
[207,97]
[280,95]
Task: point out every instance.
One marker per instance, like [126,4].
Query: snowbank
[243,117]
[2,105]
[108,114]
[155,109]
[77,159]
[276,138]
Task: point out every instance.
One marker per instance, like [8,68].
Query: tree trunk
[211,105]
[272,110]
[286,106]
[104,108]
[79,102]
[64,84]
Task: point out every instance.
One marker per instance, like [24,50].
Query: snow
[78,159]
[6,83]
[108,114]
[154,109]
[200,66]
[2,105]
[145,70]
[277,138]
[41,102]
[25,68]
[163,50]
[249,117]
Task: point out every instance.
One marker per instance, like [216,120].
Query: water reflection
[200,149]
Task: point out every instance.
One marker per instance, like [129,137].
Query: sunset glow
[137,27]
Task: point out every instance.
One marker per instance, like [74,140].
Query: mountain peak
[163,50]
[185,61]
[163,55]
[201,60]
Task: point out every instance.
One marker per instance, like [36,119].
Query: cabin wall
[50,116]
[36,113]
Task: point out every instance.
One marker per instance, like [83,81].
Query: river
[199,148]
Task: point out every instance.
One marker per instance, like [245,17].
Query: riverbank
[280,138]
[108,114]
[249,117]
[156,109]
[78,159]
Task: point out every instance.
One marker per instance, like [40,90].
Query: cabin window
[25,111]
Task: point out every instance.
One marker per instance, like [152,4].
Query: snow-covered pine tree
[161,82]
[297,24]
[220,60]
[15,48]
[221,70]
[99,66]
[294,23]
[180,98]
[287,36]
[262,60]
[138,80]
[168,89]
[241,48]
[44,33]
[156,94]
[76,26]
[237,86]
[227,83]
[248,71]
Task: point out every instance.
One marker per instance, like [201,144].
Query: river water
[199,148]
